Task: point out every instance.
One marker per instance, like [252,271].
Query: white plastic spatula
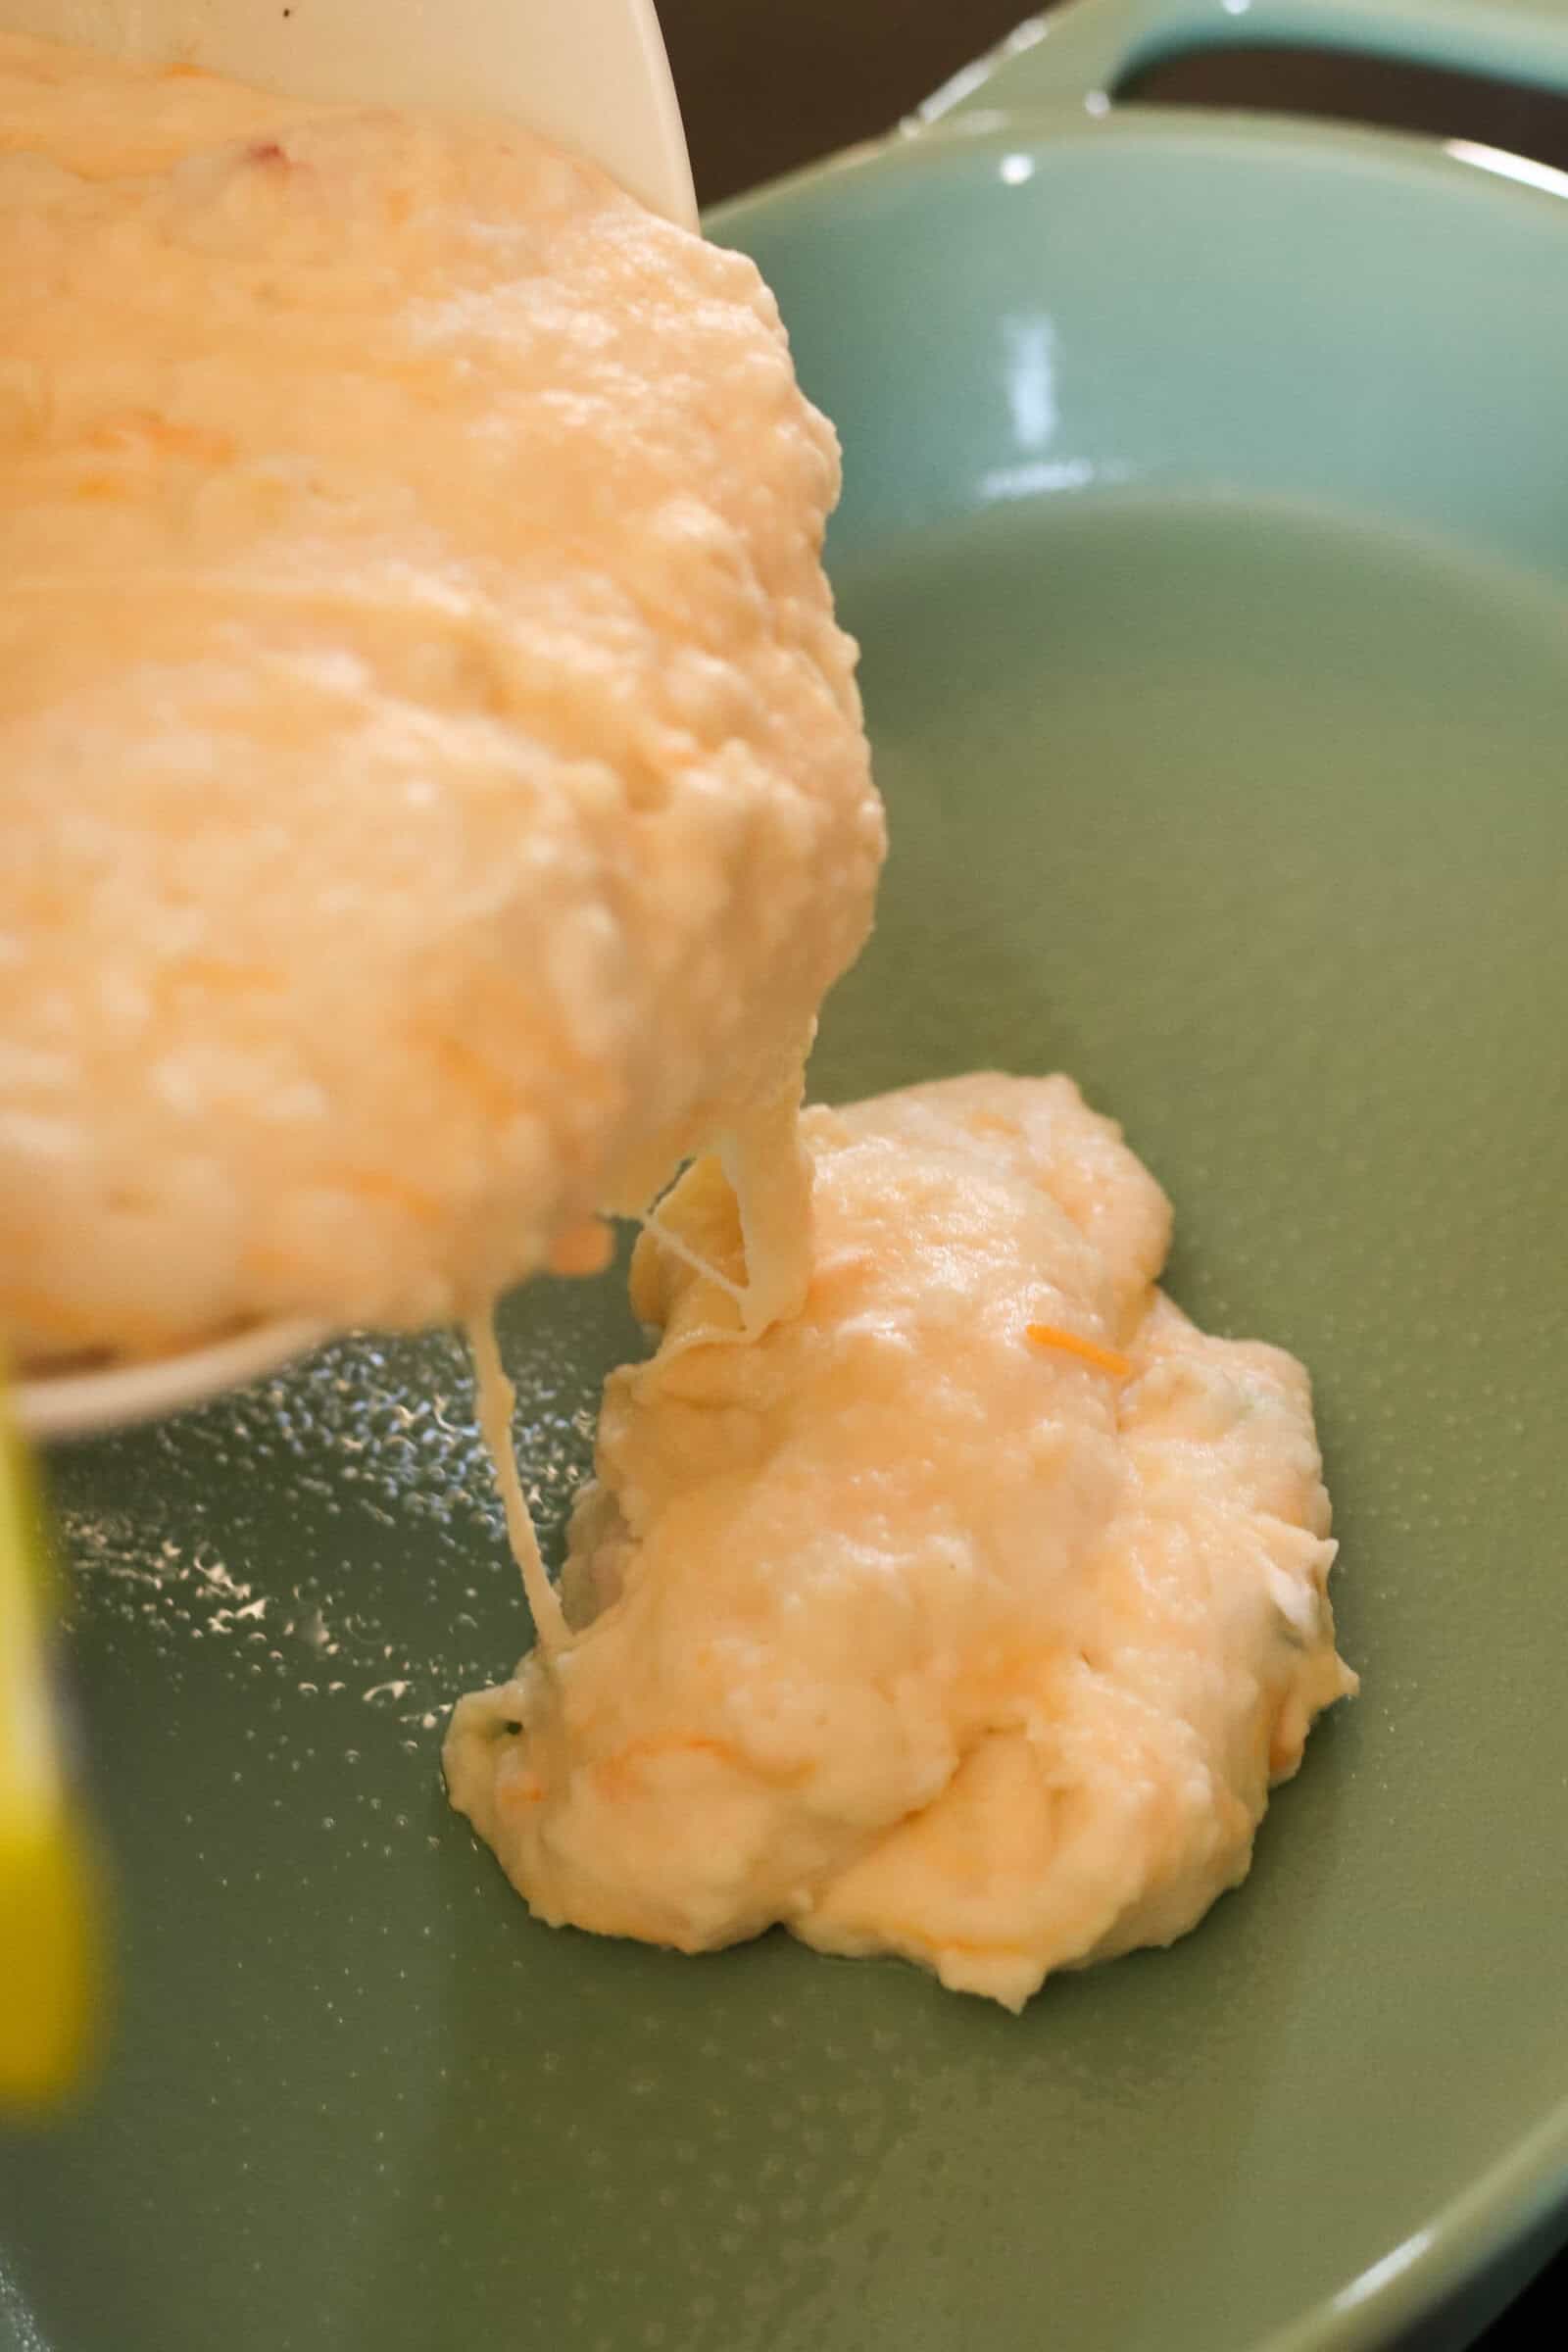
[590,75]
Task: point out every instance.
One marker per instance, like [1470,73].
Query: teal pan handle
[1080,53]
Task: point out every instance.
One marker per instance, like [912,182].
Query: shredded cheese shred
[1088,1352]
[496,1398]
[771,1172]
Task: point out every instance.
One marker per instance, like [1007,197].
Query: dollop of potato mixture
[969,1614]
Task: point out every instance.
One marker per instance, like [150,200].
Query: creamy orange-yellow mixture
[436,805]
[969,1614]
[436,799]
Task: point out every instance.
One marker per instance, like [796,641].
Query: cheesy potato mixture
[435,792]
[436,803]
[969,1614]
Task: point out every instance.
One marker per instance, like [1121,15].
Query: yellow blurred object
[48,1976]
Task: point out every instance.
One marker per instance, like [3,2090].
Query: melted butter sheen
[901,1627]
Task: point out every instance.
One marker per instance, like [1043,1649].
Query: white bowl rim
[114,1395]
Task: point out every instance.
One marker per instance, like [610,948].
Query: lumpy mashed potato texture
[435,794]
[969,1614]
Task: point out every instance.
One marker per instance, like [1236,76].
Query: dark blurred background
[766,87]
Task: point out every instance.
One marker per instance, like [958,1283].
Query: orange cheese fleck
[1089,1352]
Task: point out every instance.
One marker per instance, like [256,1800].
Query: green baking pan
[1207,533]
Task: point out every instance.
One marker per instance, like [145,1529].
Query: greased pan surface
[1206,530]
